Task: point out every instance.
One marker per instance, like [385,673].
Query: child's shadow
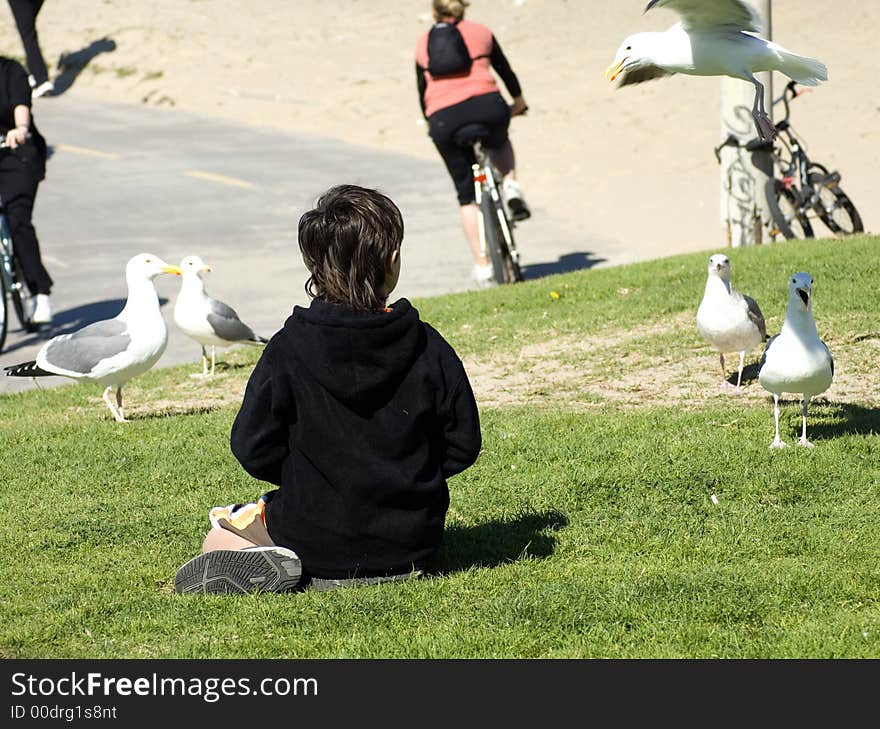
[498,542]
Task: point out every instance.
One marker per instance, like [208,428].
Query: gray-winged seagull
[112,351]
[713,39]
[796,360]
[728,320]
[209,321]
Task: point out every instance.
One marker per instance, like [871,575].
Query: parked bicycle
[495,222]
[802,189]
[11,281]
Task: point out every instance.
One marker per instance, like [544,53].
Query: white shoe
[483,275]
[515,202]
[43,89]
[42,309]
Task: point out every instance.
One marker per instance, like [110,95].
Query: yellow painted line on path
[221,179]
[86,151]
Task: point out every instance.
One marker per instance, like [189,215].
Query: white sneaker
[43,89]
[42,309]
[515,202]
[483,275]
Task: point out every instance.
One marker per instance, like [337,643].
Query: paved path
[124,180]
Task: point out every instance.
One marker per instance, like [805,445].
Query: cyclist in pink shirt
[462,90]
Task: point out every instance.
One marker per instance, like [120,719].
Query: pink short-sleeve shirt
[443,92]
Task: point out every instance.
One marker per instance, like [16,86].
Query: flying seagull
[728,320]
[209,321]
[713,39]
[112,351]
[796,360]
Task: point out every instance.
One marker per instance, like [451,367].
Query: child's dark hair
[347,242]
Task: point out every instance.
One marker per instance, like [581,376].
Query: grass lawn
[585,529]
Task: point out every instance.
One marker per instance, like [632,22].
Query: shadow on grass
[498,542]
[564,264]
[71,65]
[839,419]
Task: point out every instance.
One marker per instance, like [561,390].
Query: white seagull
[728,320]
[209,321]
[113,351]
[796,360]
[713,39]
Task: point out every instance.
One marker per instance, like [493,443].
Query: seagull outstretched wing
[712,15]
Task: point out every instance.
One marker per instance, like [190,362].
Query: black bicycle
[11,281]
[801,189]
[495,223]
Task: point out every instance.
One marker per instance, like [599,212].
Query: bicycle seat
[468,134]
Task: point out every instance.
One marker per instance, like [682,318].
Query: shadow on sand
[71,65]
[69,320]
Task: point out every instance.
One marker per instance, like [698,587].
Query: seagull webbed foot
[805,442]
[777,443]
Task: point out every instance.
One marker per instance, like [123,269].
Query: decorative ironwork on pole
[745,175]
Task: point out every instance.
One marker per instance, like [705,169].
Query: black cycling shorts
[488,109]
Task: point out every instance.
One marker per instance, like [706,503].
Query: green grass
[580,531]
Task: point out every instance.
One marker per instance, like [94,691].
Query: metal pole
[745,175]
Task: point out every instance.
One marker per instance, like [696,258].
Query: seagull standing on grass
[111,351]
[209,321]
[796,360]
[728,320]
[713,39]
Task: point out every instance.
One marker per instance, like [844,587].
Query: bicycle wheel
[4,310]
[497,248]
[17,299]
[788,221]
[832,204]
[511,258]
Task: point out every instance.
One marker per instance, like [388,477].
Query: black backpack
[447,52]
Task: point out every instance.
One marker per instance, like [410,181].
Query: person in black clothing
[22,167]
[25,13]
[356,410]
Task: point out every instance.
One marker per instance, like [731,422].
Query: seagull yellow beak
[614,69]
[172,269]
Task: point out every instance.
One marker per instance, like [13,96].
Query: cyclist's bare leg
[471,225]
[503,158]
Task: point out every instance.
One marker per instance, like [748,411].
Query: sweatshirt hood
[356,356]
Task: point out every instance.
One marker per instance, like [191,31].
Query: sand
[632,167]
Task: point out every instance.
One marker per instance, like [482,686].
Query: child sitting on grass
[356,410]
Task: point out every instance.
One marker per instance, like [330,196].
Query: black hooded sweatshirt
[359,418]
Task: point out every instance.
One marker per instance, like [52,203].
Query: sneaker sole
[244,570]
[518,210]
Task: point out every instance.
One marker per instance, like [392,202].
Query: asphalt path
[123,180]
